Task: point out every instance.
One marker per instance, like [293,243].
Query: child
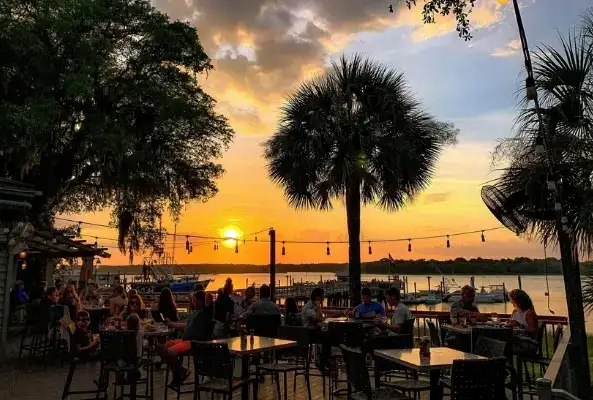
[133,324]
[83,345]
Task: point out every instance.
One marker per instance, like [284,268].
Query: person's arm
[250,310]
[94,343]
[175,325]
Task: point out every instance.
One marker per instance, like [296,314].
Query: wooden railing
[559,381]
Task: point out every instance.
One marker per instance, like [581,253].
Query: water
[534,285]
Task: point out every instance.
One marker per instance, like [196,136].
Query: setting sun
[229,234]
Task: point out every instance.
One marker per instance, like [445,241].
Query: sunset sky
[261,49]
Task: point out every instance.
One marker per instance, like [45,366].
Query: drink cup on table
[494,317]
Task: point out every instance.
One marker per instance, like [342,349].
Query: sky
[262,49]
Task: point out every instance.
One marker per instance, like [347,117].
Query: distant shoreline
[523,266]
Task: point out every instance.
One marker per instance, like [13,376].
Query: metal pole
[272,234]
[428,278]
[519,281]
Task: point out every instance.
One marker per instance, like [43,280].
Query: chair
[300,362]
[350,334]
[214,361]
[538,359]
[102,384]
[435,338]
[501,334]
[359,381]
[444,320]
[119,354]
[264,325]
[408,329]
[478,379]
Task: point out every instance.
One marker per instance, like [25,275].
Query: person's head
[468,294]
[91,289]
[135,304]
[83,320]
[69,292]
[200,298]
[166,300]
[119,291]
[132,292]
[366,295]
[51,293]
[72,282]
[264,292]
[520,300]
[291,306]
[60,286]
[250,293]
[199,287]
[317,296]
[228,287]
[393,296]
[133,322]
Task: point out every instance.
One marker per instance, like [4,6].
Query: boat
[489,294]
[342,276]
[155,277]
[411,299]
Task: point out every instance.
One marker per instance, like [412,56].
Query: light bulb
[370,248]
[283,249]
[409,244]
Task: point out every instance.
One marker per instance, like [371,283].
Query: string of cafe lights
[206,239]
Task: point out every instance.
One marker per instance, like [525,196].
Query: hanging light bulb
[327,249]
[187,243]
[256,238]
[236,246]
[448,242]
[483,237]
[96,241]
[409,244]
[283,249]
[370,248]
[23,255]
[539,145]
[23,265]
[530,90]
[191,248]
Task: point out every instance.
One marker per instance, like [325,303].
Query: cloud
[436,197]
[262,49]
[510,49]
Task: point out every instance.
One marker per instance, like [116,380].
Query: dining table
[247,346]
[441,358]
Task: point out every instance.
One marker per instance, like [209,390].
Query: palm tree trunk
[353,218]
[577,350]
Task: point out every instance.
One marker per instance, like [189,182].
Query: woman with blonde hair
[118,301]
[69,298]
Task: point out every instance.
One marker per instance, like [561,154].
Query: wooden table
[440,358]
[246,348]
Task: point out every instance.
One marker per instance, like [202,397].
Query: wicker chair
[300,359]
[214,361]
[435,338]
[359,381]
[478,379]
[504,335]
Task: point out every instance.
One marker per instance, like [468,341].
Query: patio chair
[478,379]
[359,381]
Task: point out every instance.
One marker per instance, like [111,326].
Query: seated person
[463,308]
[368,308]
[82,345]
[90,294]
[292,317]
[136,306]
[312,318]
[198,327]
[525,318]
[401,312]
[264,306]
[167,306]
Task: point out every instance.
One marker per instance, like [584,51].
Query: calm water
[534,285]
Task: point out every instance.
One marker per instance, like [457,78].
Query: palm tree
[564,81]
[356,134]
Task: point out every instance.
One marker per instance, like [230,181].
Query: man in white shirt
[401,313]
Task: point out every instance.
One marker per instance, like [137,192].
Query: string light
[327,249]
[370,248]
[187,244]
[448,242]
[283,249]
[191,249]
[483,237]
[96,241]
[409,245]
[256,238]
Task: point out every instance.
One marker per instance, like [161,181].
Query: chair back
[541,331]
[350,334]
[212,360]
[445,320]
[264,325]
[118,346]
[357,373]
[408,329]
[478,379]
[490,348]
[502,334]
[302,336]
[435,338]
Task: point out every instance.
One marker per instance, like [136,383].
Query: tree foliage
[357,135]
[100,107]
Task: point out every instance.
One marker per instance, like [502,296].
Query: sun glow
[230,235]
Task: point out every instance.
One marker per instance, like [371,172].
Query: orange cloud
[511,48]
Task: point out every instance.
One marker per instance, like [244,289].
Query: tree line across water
[461,266]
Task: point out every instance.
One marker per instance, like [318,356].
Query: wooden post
[428,278]
[519,281]
[272,234]
[472,282]
[415,292]
[544,389]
